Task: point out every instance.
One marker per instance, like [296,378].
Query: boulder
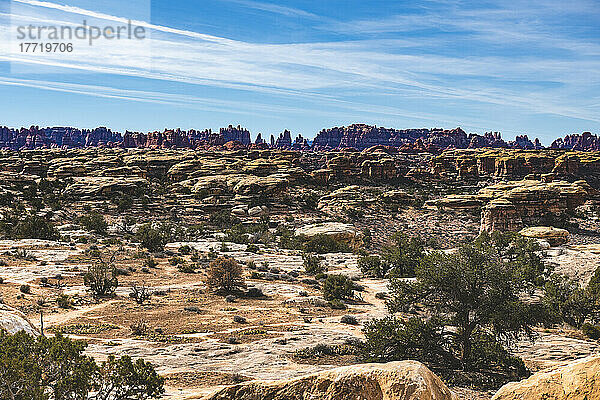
[579,380]
[397,197]
[401,380]
[272,185]
[554,236]
[343,232]
[13,321]
[257,211]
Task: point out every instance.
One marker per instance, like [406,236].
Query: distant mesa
[353,137]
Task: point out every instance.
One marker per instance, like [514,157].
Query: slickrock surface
[13,321]
[404,380]
[579,380]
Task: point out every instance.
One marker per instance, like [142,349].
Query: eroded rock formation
[403,380]
[579,380]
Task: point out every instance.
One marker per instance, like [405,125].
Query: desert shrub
[349,319]
[255,292]
[124,203]
[26,289]
[372,266]
[222,219]
[591,331]
[337,304]
[288,240]
[322,349]
[225,274]
[140,293]
[30,227]
[310,200]
[185,250]
[367,236]
[312,264]
[101,277]
[230,298]
[322,244]
[139,328]
[150,262]
[94,222]
[567,302]
[63,301]
[239,319]
[187,268]
[337,287]
[593,286]
[252,248]
[153,239]
[55,368]
[176,261]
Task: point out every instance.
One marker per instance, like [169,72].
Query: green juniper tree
[470,304]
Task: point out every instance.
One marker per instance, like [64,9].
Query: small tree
[322,244]
[402,256]
[225,274]
[477,294]
[337,287]
[101,277]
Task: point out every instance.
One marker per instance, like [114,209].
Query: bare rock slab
[579,380]
[401,380]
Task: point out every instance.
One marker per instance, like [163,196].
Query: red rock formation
[584,142]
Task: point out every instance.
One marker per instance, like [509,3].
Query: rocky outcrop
[510,206]
[360,136]
[13,321]
[456,202]
[477,164]
[579,380]
[529,201]
[500,215]
[284,141]
[342,232]
[356,136]
[67,137]
[379,170]
[403,380]
[554,236]
[584,142]
[272,185]
[105,186]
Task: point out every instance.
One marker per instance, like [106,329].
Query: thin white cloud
[536,83]
[276,9]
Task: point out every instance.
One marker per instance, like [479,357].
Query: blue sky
[519,67]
